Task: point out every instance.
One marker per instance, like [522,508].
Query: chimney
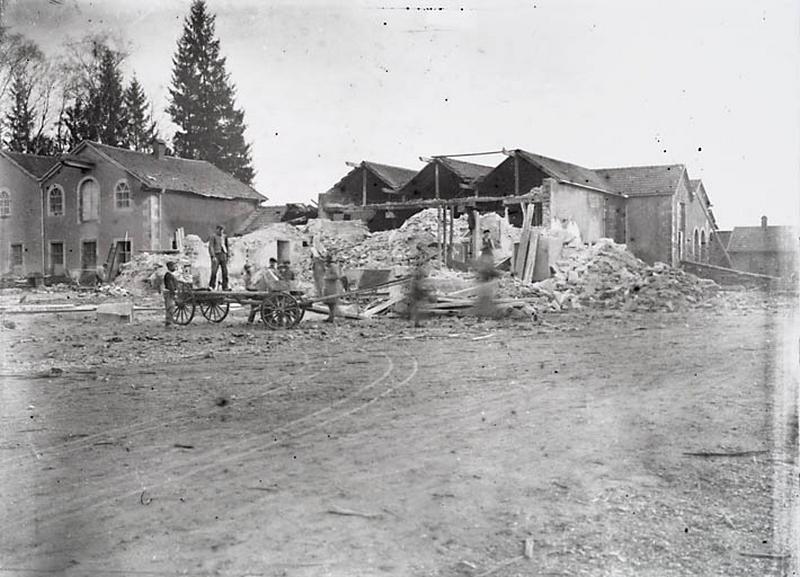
[159,148]
[763,223]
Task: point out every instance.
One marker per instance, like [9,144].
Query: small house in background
[102,203]
[770,250]
[21,212]
[367,183]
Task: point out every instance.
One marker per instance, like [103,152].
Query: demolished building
[658,211]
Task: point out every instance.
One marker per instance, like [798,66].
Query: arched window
[696,245]
[55,201]
[122,195]
[5,204]
[88,200]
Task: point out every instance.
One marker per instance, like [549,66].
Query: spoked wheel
[183,312]
[214,311]
[281,311]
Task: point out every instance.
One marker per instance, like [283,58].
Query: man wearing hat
[218,251]
[170,288]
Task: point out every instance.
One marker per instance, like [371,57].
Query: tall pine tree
[98,109]
[141,129]
[211,127]
[108,101]
[19,120]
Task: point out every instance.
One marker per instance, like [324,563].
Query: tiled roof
[764,239]
[642,180]
[394,176]
[179,174]
[466,171]
[566,172]
[34,164]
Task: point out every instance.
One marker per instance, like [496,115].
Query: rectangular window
[16,254]
[682,218]
[56,254]
[537,214]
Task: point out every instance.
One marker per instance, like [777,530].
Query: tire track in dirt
[222,454]
[90,491]
[69,447]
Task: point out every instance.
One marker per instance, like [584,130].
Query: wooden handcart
[277,309]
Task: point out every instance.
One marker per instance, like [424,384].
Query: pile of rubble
[607,275]
[355,247]
[144,273]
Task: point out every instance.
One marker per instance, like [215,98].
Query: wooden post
[439,230]
[364,186]
[450,241]
[476,237]
[436,176]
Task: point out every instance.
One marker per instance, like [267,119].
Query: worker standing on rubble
[218,250]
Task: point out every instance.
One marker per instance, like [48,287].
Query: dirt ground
[660,444]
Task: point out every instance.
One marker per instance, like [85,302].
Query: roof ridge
[643,166]
[450,159]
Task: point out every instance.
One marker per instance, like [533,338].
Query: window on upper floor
[89,200]
[5,204]
[122,195]
[55,201]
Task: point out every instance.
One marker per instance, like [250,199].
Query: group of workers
[328,279]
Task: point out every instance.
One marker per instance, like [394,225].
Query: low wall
[729,276]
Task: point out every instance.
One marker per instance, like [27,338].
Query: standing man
[332,286]
[170,288]
[218,251]
[318,265]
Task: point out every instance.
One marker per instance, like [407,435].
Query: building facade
[99,204]
[21,212]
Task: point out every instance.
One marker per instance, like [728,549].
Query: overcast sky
[714,85]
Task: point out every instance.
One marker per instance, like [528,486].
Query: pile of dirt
[607,275]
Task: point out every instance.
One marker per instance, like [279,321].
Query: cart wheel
[215,311]
[281,311]
[183,312]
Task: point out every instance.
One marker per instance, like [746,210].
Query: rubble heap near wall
[608,275]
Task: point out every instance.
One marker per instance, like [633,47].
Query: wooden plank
[530,262]
[381,307]
[524,240]
[325,311]
[464,292]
